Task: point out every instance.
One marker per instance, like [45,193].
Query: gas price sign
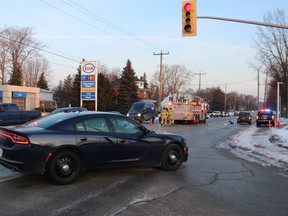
[89,81]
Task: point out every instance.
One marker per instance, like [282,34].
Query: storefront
[27,98]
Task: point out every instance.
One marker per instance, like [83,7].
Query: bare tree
[33,69]
[4,59]
[175,78]
[272,52]
[20,47]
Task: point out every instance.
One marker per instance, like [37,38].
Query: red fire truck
[189,109]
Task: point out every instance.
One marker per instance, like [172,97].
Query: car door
[97,143]
[132,147]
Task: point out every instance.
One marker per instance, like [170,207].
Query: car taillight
[15,138]
[185,151]
[257,117]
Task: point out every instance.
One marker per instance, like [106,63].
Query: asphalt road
[212,182]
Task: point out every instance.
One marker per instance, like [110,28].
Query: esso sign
[88,68]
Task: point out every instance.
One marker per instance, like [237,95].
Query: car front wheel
[64,167]
[172,158]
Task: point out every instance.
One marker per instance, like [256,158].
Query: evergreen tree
[128,90]
[104,94]
[76,88]
[42,82]
[16,76]
[144,79]
[59,94]
[62,93]
[67,87]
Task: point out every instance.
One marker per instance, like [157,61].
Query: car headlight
[139,114]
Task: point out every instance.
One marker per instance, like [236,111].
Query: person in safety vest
[171,116]
[164,115]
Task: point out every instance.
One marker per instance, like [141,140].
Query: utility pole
[200,74]
[160,97]
[258,88]
[225,99]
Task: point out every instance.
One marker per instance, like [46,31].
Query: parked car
[64,144]
[69,109]
[216,114]
[265,117]
[10,114]
[244,117]
[142,111]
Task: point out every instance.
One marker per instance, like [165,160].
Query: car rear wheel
[172,158]
[64,167]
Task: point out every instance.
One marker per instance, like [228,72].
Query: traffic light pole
[244,21]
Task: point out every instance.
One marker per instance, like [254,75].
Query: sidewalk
[268,147]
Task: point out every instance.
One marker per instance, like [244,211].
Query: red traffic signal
[189,18]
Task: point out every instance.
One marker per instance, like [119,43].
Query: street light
[278,101]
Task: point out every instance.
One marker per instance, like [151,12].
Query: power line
[108,23]
[106,32]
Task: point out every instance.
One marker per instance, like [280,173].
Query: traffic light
[189,18]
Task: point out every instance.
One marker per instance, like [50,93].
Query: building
[27,98]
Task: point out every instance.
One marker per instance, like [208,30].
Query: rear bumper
[26,160]
[265,122]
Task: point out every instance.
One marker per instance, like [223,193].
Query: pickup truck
[10,114]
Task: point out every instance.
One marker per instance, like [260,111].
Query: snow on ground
[267,146]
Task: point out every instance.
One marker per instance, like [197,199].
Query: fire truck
[187,108]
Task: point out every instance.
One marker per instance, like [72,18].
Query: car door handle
[123,141]
[83,138]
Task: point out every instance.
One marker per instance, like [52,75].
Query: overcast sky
[117,30]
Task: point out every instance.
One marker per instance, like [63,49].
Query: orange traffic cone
[150,122]
[279,124]
[269,124]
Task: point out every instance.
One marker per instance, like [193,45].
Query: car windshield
[137,108]
[49,120]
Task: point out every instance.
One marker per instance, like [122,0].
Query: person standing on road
[171,116]
[164,115]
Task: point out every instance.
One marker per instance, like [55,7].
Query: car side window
[93,125]
[122,125]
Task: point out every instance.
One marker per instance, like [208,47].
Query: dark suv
[142,111]
[265,116]
[244,117]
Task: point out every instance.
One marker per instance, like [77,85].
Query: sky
[114,31]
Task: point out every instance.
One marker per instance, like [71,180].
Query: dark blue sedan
[65,144]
